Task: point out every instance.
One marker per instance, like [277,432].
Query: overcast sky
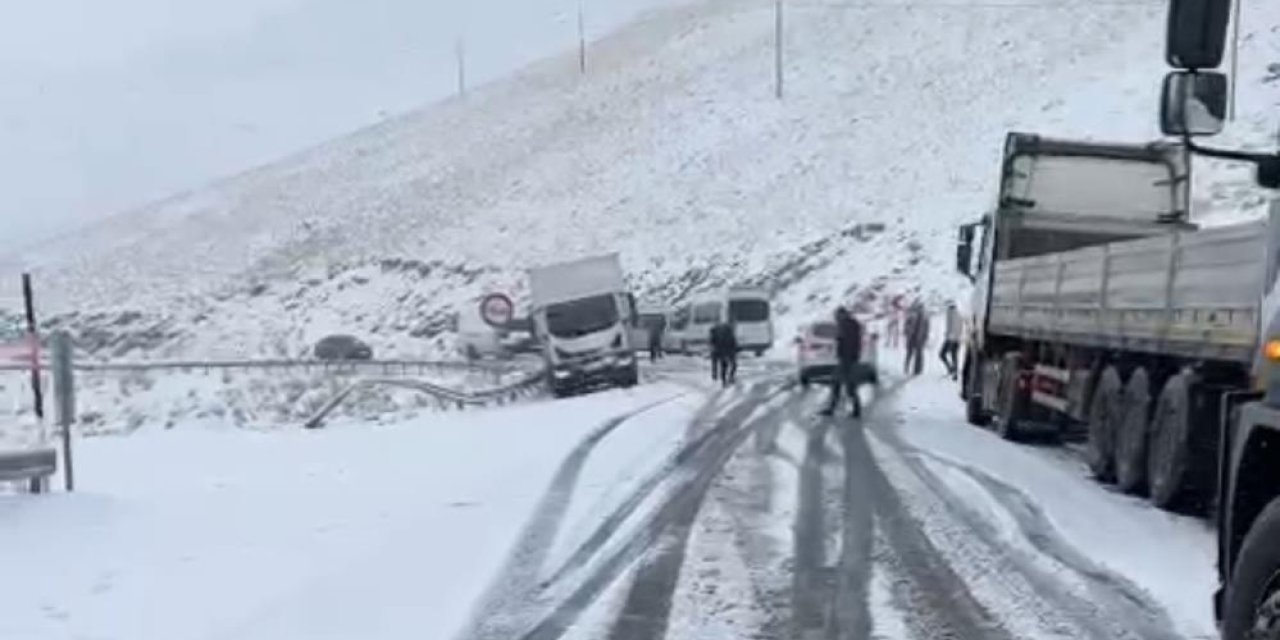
[108,104]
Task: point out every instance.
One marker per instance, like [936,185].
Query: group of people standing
[914,326]
[724,350]
[911,326]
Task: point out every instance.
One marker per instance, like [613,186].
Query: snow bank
[352,531]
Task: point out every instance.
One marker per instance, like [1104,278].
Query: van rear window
[748,310]
[824,330]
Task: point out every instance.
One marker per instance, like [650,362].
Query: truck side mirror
[964,255]
[964,251]
[1196,33]
[1193,103]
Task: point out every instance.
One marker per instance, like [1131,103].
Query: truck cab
[1194,103]
[582,315]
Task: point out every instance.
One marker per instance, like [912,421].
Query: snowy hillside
[672,150]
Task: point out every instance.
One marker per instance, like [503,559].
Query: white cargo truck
[582,314]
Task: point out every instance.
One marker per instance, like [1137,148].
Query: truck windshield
[580,317]
[748,310]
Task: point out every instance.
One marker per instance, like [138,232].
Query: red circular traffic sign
[497,309]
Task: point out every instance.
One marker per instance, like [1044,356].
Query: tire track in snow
[941,602]
[1111,607]
[811,578]
[646,613]
[502,607]
[830,586]
[696,458]
[601,535]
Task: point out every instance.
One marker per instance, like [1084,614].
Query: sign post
[64,392]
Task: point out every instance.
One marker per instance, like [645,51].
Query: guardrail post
[64,400]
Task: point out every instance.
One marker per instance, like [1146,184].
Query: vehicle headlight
[1267,369]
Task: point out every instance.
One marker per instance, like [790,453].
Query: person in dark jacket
[655,341]
[724,353]
[916,333]
[848,355]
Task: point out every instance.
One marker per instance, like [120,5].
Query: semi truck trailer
[1101,309]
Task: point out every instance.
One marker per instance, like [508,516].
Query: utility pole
[462,67]
[777,48]
[582,41]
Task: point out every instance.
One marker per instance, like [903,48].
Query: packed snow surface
[351,531]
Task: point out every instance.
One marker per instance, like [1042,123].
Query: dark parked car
[342,347]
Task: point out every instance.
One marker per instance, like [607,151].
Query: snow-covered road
[777,523]
[675,510]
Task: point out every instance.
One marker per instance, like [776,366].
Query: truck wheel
[1012,399]
[972,394]
[1104,413]
[1171,472]
[1251,608]
[1131,438]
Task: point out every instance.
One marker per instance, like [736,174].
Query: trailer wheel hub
[1266,619]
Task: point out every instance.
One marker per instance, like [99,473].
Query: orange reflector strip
[1272,350]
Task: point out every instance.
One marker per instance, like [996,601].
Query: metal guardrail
[31,466]
[463,399]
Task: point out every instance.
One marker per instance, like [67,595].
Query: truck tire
[1012,407]
[1252,601]
[971,391]
[1131,437]
[558,390]
[1173,473]
[1104,413]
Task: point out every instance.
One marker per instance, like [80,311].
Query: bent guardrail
[463,399]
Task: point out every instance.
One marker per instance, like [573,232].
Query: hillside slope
[673,150]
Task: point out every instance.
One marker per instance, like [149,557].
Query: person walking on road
[724,353]
[916,335]
[848,355]
[951,339]
[655,341]
[894,331]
